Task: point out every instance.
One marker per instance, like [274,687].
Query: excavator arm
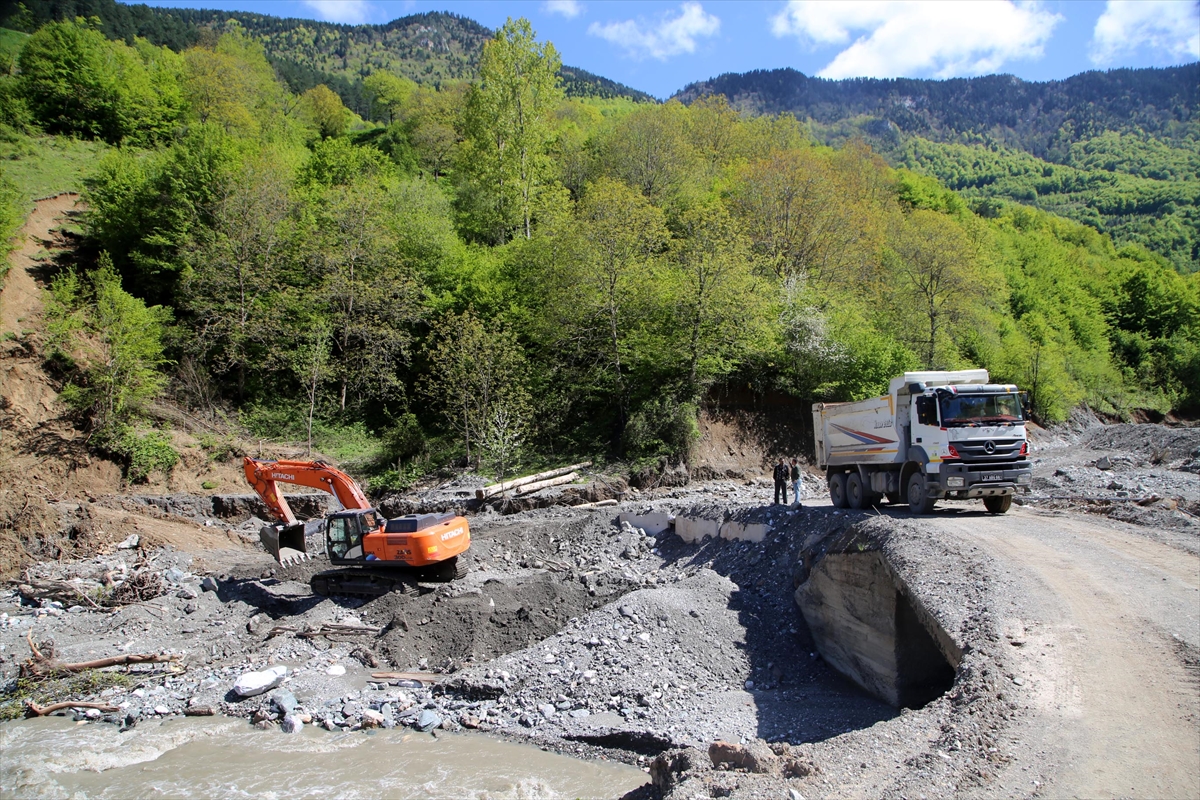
[286,540]
[263,477]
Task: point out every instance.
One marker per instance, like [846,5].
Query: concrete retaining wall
[653,523]
[866,628]
[693,528]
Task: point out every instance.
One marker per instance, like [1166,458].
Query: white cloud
[1169,27]
[352,12]
[568,8]
[666,37]
[913,38]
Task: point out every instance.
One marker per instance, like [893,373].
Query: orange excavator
[358,536]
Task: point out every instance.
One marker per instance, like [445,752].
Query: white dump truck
[933,435]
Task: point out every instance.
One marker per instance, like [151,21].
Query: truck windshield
[981,409]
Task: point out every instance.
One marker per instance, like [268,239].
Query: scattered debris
[42,663]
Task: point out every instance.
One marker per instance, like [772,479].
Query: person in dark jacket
[781,478]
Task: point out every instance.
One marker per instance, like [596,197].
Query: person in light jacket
[796,482]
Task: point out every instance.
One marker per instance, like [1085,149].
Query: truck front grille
[1001,450]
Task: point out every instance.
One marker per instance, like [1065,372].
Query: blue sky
[659,47]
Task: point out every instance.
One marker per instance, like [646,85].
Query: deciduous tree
[477,371]
[510,126]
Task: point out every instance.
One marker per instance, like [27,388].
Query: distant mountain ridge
[428,48]
[1037,117]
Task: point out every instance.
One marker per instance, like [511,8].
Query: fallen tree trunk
[499,488]
[423,677]
[597,504]
[530,488]
[62,591]
[41,665]
[330,630]
[32,709]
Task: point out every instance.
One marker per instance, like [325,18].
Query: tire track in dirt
[1107,620]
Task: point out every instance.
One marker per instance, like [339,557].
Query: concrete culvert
[866,627]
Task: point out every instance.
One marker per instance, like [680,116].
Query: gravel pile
[1141,474]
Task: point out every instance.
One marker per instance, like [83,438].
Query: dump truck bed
[861,432]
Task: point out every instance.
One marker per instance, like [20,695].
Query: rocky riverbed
[586,634]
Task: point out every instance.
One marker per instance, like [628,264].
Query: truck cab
[970,440]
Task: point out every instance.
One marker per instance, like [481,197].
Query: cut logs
[530,488]
[529,480]
[597,504]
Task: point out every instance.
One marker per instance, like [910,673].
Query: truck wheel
[998,504]
[837,490]
[856,495]
[919,501]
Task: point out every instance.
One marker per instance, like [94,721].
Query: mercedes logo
[989,447]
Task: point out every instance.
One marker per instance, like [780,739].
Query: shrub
[661,427]
[143,452]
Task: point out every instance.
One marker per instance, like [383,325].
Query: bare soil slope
[47,475]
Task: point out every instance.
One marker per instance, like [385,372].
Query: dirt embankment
[57,498]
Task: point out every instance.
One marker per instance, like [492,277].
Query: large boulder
[255,683]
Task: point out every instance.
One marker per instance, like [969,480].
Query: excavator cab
[344,534]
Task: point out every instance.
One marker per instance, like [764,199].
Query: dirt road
[1106,625]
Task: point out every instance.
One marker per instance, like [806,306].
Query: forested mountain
[427,48]
[1042,118]
[1115,150]
[452,281]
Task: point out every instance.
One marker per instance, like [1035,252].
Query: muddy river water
[58,758]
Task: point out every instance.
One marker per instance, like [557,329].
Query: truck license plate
[993,476]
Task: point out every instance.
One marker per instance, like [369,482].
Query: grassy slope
[46,165]
[10,43]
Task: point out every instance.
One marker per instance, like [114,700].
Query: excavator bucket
[288,543]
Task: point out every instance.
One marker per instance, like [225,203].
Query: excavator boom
[264,475]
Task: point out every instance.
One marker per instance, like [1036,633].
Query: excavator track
[371,583]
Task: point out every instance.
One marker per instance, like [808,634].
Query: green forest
[427,48]
[492,273]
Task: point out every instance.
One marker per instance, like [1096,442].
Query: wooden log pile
[533,483]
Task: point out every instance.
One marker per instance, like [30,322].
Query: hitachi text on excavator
[380,552]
